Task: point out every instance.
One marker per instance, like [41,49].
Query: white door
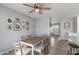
[55,29]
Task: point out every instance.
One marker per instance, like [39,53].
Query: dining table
[32,42]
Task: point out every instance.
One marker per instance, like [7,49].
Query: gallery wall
[8,36]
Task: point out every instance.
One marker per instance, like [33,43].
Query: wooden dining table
[32,42]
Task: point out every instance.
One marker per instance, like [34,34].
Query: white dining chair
[39,48]
[20,49]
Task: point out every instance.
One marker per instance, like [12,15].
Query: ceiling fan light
[37,10]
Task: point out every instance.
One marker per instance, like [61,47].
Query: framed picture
[27,23]
[23,21]
[17,26]
[23,24]
[9,20]
[10,26]
[17,19]
[27,28]
[67,25]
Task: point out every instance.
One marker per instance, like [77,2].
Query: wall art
[9,20]
[67,25]
[10,26]
[17,26]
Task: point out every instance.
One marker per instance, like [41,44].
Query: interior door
[55,29]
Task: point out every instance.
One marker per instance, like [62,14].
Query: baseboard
[6,51]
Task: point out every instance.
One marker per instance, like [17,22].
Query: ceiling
[57,9]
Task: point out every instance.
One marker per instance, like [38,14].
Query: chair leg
[70,51]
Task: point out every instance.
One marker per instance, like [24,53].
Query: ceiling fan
[37,7]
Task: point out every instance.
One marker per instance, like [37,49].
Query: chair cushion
[73,45]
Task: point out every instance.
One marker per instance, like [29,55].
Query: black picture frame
[10,26]
[27,28]
[67,25]
[9,20]
[27,23]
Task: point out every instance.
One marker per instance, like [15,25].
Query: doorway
[55,29]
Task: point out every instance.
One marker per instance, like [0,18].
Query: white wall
[8,36]
[42,25]
[63,30]
[75,24]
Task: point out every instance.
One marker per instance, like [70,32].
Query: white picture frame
[17,26]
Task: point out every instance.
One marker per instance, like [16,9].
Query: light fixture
[37,10]
[37,7]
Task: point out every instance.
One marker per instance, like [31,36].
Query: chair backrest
[23,37]
[17,47]
[45,45]
[45,42]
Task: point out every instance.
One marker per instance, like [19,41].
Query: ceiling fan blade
[27,5]
[32,11]
[46,8]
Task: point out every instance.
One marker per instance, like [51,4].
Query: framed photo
[23,24]
[17,19]
[9,20]
[17,26]
[27,28]
[27,23]
[23,21]
[67,25]
[10,26]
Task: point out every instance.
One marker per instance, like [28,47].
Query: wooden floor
[58,47]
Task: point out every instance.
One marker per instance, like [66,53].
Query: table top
[32,40]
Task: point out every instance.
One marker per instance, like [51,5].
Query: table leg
[32,50]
